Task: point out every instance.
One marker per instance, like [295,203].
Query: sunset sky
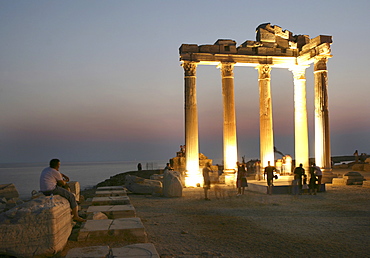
[87,80]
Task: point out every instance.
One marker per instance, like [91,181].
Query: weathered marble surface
[172,186]
[143,186]
[40,227]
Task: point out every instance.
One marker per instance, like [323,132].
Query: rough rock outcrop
[40,227]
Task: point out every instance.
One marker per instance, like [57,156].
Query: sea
[25,176]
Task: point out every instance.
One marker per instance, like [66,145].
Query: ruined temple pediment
[271,40]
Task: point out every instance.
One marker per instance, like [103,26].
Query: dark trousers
[64,193]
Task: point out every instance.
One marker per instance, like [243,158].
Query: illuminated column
[193,175]
[229,128]
[322,133]
[266,130]
[300,117]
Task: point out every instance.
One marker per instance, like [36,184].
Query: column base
[230,177]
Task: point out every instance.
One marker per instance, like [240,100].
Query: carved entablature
[272,42]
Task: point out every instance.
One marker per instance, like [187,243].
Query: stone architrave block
[89,251]
[338,181]
[108,193]
[128,229]
[110,188]
[75,188]
[111,200]
[136,250]
[114,211]
[172,186]
[8,191]
[40,227]
[366,184]
[141,185]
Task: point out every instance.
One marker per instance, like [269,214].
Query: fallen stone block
[172,186]
[111,200]
[114,211]
[89,251]
[8,191]
[127,229]
[107,193]
[40,227]
[109,188]
[366,184]
[136,250]
[143,186]
[339,181]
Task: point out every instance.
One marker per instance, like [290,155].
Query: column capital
[299,72]
[227,69]
[320,63]
[190,68]
[263,71]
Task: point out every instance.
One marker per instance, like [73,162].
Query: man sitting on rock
[54,182]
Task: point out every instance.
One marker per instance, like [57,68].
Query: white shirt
[49,178]
[318,171]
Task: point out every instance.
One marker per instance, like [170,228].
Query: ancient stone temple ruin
[273,48]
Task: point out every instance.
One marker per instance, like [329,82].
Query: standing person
[54,182]
[139,167]
[207,180]
[269,172]
[356,156]
[318,173]
[241,178]
[298,173]
[312,182]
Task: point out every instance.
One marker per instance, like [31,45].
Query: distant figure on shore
[356,156]
[207,180]
[318,174]
[54,182]
[298,174]
[139,167]
[241,178]
[269,172]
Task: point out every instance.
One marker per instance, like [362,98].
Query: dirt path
[331,224]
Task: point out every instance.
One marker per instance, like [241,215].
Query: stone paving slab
[107,193]
[130,229]
[136,251]
[89,251]
[111,200]
[146,250]
[110,188]
[114,211]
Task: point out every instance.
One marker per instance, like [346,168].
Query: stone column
[322,133]
[300,117]
[229,127]
[266,130]
[192,173]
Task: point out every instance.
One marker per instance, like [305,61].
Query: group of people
[300,179]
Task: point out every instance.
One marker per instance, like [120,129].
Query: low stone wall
[40,227]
